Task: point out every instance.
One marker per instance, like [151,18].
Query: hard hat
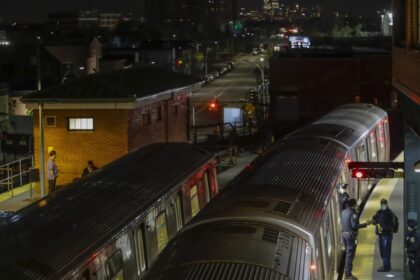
[50,149]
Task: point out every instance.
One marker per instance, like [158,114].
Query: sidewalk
[368,259]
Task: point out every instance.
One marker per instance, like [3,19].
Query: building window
[50,121]
[80,123]
[176,110]
[160,113]
[147,119]
[161,231]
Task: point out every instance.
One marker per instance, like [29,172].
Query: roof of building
[115,86]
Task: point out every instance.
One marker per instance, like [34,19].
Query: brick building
[101,117]
[406,80]
[305,85]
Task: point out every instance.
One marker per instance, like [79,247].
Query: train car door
[361,184]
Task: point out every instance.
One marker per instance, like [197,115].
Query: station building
[102,117]
[406,80]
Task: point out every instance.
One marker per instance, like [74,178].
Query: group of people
[52,170]
[386,224]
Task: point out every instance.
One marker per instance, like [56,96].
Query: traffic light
[359,174]
[179,62]
[214,105]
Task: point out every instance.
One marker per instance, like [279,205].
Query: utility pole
[41,120]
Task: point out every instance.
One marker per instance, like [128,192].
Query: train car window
[140,248]
[207,186]
[178,212]
[373,153]
[381,142]
[386,139]
[114,266]
[162,231]
[195,205]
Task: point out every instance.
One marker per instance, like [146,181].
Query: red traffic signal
[179,62]
[359,174]
[214,105]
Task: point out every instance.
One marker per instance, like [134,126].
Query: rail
[15,174]
[221,131]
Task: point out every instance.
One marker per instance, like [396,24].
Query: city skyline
[37,12]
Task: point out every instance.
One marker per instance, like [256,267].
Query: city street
[228,89]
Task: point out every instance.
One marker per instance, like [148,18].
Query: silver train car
[113,224]
[279,219]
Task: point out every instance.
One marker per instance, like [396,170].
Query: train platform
[243,160]
[368,259]
[22,197]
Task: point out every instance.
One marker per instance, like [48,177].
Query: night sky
[37,10]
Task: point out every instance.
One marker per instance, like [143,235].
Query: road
[228,89]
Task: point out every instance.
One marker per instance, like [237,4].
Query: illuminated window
[140,249]
[207,186]
[162,231]
[195,205]
[178,212]
[80,123]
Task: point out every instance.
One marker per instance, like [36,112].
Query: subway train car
[279,219]
[113,224]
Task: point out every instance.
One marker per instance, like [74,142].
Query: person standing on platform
[351,225]
[343,196]
[52,170]
[386,225]
[412,247]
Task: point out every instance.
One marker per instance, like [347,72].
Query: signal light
[214,105]
[179,62]
[313,267]
[358,174]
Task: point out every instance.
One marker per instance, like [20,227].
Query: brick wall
[106,143]
[171,127]
[406,69]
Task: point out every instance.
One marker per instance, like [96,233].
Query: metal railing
[221,131]
[15,174]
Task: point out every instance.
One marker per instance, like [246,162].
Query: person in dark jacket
[412,247]
[89,169]
[386,222]
[350,226]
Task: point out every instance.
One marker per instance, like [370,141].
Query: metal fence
[221,131]
[15,174]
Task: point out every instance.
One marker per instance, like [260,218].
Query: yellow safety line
[17,191]
[365,252]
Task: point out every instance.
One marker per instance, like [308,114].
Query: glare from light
[390,275]
[417,167]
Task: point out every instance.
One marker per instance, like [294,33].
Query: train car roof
[346,125]
[42,240]
[293,180]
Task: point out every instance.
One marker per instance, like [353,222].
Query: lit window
[161,231]
[141,258]
[80,123]
[195,205]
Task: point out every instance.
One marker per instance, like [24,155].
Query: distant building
[102,117]
[386,23]
[306,84]
[109,20]
[71,20]
[195,14]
